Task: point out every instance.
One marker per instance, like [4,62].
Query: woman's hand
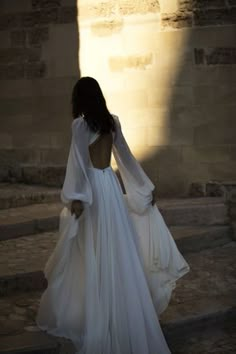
[154,196]
[77,208]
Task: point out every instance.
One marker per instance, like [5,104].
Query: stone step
[194,211]
[30,343]
[27,220]
[208,337]
[18,195]
[22,260]
[197,238]
[203,299]
[207,291]
[21,221]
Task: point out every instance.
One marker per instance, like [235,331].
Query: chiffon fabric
[114,268]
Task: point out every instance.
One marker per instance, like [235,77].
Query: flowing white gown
[113,269]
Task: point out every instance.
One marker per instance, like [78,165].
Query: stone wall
[39,43]
[167,68]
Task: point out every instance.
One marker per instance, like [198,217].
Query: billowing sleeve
[76,185]
[137,184]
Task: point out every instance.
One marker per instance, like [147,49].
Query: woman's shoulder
[77,121]
[116,119]
[78,125]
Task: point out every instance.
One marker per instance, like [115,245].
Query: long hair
[88,101]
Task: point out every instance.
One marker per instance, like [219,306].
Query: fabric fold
[113,269]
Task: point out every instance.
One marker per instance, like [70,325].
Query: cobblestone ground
[18,312]
[26,254]
[18,315]
[211,281]
[210,285]
[219,341]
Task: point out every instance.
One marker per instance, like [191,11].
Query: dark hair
[88,101]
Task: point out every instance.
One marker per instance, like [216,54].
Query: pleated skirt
[98,292]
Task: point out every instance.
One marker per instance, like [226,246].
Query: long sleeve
[76,184]
[137,184]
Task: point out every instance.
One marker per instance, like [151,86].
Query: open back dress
[113,269]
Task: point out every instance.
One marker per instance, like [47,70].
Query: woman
[115,263]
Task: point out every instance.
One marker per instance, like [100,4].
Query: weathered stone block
[5,41]
[11,158]
[41,4]
[18,38]
[36,70]
[199,56]
[29,19]
[3,173]
[10,21]
[215,189]
[213,75]
[131,62]
[178,95]
[170,135]
[133,99]
[71,3]
[222,171]
[53,86]
[214,17]
[127,7]
[67,14]
[167,6]
[232,152]
[197,190]
[207,4]
[223,132]
[166,155]
[16,107]
[19,55]
[38,35]
[213,94]
[12,72]
[46,175]
[172,180]
[67,65]
[42,17]
[185,5]
[215,56]
[97,10]
[213,36]
[211,154]
[221,56]
[5,141]
[177,19]
[106,28]
[231,3]
[15,6]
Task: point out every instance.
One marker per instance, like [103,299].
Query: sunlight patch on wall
[136,64]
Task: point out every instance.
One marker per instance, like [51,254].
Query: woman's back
[100,151]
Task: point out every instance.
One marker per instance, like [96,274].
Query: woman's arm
[139,188]
[76,190]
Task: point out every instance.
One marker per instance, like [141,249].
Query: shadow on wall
[199,132]
[39,66]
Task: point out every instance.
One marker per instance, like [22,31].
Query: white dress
[113,269]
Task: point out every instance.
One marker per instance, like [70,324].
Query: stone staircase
[201,315]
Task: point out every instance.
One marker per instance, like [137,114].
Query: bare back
[100,151]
